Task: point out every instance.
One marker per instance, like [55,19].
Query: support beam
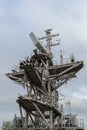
[21,115]
[31,119]
[64,80]
[51,119]
[26,119]
[64,72]
[41,114]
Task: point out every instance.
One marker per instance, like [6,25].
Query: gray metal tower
[42,78]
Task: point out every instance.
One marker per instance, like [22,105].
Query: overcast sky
[17,19]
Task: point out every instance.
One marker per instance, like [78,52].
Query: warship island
[42,78]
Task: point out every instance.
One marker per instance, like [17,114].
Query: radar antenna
[48,38]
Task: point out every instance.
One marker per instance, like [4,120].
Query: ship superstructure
[42,79]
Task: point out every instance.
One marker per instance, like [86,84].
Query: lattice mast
[42,78]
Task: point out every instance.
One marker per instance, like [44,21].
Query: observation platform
[35,76]
[29,105]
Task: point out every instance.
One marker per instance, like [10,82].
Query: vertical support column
[51,119]
[26,119]
[50,98]
[21,115]
[29,90]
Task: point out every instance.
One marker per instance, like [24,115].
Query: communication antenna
[61,57]
[48,38]
[69,106]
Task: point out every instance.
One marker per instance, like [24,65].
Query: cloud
[18,19]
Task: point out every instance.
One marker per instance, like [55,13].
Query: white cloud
[20,18]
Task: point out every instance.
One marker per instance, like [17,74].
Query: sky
[17,19]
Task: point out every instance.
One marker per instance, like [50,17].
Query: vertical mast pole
[48,39]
